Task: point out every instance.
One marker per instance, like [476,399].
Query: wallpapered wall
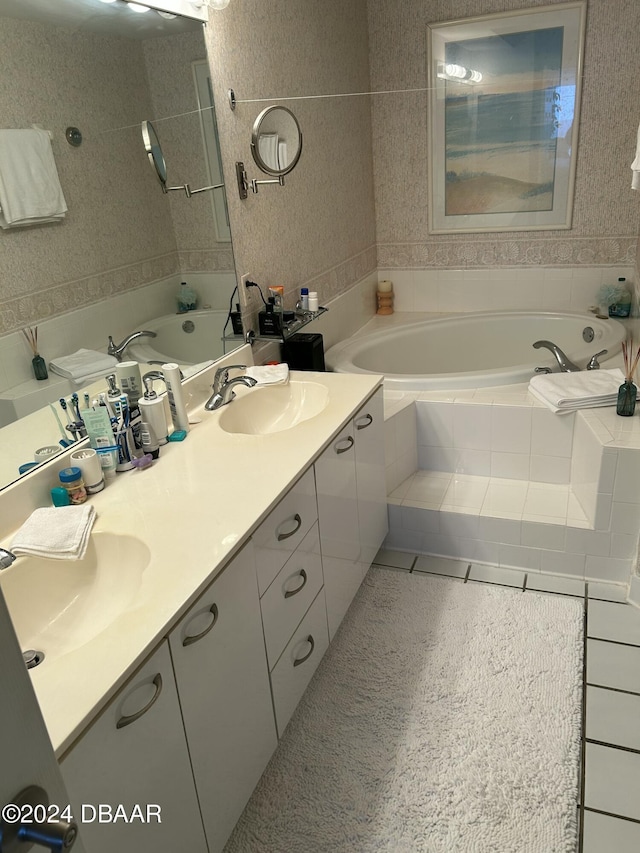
[606,211]
[324,216]
[320,228]
[118,233]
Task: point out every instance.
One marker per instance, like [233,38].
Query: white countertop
[193,508]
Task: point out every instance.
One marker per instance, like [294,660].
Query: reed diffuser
[627,392]
[37,362]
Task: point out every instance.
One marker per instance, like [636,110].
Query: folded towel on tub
[566,392]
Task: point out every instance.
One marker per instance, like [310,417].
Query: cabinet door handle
[368,421]
[194,639]
[350,443]
[298,661]
[298,522]
[298,589]
[126,721]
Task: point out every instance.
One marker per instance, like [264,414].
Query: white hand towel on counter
[30,191]
[566,392]
[269,374]
[57,533]
[83,365]
[635,166]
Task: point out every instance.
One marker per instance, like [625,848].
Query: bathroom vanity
[251,541]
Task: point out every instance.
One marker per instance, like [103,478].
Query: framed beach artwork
[504,98]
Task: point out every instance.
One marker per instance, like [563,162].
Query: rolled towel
[83,364]
[566,392]
[269,374]
[57,533]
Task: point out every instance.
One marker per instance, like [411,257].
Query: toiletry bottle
[113,392]
[622,305]
[101,438]
[152,410]
[187,298]
[71,480]
[171,373]
[150,443]
[268,320]
[313,301]
[128,378]
[304,298]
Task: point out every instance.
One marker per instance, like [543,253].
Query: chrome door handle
[298,661]
[369,421]
[32,807]
[298,589]
[350,443]
[127,720]
[189,640]
[298,522]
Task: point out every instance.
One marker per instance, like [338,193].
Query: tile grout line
[612,814]
[614,689]
[583,723]
[615,642]
[613,746]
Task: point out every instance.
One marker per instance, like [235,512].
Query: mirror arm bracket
[188,191]
[244,183]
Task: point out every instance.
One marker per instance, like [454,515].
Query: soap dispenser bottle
[152,410]
[187,298]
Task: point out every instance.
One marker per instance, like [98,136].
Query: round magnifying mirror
[154,151]
[276,141]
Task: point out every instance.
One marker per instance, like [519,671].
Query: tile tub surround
[501,480]
[609,810]
[515,288]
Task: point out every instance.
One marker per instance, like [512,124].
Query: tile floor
[609,802]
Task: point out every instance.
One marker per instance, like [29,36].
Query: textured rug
[444,718]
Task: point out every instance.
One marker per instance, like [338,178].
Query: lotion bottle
[152,410]
[171,373]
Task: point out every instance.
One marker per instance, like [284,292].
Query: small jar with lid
[71,479]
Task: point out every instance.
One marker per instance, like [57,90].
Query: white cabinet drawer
[284,529]
[299,661]
[289,596]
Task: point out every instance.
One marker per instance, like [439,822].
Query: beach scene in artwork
[506,135]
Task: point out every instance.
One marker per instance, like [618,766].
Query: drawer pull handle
[298,589]
[126,721]
[350,444]
[368,421]
[298,661]
[188,641]
[298,522]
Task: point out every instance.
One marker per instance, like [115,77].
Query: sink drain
[32,658]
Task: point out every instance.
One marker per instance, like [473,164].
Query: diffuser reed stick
[630,360]
[37,362]
[31,336]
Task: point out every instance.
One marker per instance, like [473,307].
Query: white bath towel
[635,166]
[30,191]
[83,364]
[566,392]
[58,533]
[269,374]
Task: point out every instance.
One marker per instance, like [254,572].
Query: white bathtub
[189,338]
[473,350]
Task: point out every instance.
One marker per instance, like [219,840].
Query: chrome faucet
[6,558]
[565,363]
[118,349]
[223,392]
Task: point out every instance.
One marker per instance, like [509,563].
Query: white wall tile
[436,458]
[520,557]
[551,435]
[459,524]
[625,518]
[484,552]
[559,563]
[475,462]
[407,464]
[510,466]
[627,482]
[608,569]
[607,476]
[550,469]
[472,427]
[418,518]
[602,519]
[624,546]
[504,530]
[551,537]
[511,429]
[588,542]
[434,423]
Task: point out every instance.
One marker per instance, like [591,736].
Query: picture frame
[504,108]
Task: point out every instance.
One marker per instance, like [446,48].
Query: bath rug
[444,718]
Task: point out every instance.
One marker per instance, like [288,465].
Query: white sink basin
[59,605]
[275,408]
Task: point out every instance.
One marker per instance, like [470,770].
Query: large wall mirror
[118,258]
